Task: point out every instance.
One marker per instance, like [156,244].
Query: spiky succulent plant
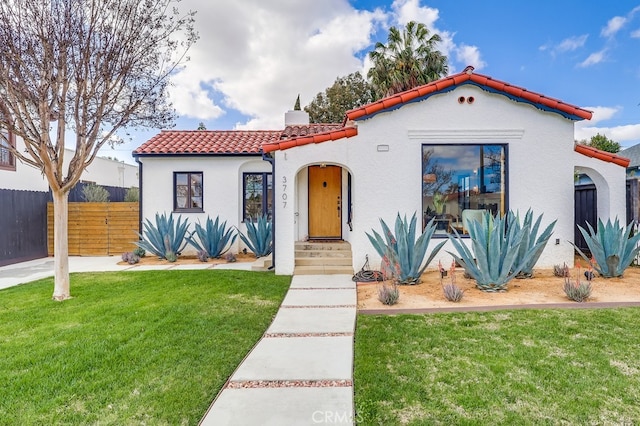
[495,257]
[166,237]
[612,247]
[404,253]
[214,238]
[259,236]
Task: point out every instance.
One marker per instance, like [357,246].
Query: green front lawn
[526,367]
[130,347]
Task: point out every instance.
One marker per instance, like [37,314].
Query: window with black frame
[188,191]
[258,195]
[7,159]
[460,183]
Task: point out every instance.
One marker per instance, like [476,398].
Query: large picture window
[460,182]
[258,195]
[7,159]
[187,191]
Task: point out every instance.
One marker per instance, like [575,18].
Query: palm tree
[409,59]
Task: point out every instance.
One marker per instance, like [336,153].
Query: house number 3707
[284,191]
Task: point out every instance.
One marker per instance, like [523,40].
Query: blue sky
[255,56]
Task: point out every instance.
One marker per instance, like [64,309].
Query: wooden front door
[325,204]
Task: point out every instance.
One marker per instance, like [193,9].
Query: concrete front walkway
[301,371]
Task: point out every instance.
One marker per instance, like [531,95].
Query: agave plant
[214,239]
[165,239]
[612,247]
[532,245]
[259,238]
[494,259]
[404,252]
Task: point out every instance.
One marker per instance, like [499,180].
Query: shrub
[495,257]
[203,256]
[93,193]
[130,257]
[165,238]
[576,290]
[132,195]
[561,271]
[404,253]
[214,239]
[259,237]
[452,292]
[139,251]
[612,247]
[388,294]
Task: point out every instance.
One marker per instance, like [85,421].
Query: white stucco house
[445,150]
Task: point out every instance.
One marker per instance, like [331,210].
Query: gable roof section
[467,76]
[328,135]
[601,155]
[230,142]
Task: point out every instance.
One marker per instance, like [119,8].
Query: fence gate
[585,211]
[23,223]
[98,229]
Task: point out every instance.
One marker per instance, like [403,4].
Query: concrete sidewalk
[301,371]
[20,273]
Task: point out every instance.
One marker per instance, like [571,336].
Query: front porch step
[323,258]
[323,270]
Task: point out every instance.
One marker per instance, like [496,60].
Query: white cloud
[602,113]
[620,134]
[584,130]
[569,44]
[572,43]
[256,56]
[636,33]
[614,25]
[470,55]
[593,59]
[410,10]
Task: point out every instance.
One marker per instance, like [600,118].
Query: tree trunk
[61,288]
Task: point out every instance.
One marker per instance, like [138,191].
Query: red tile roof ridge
[609,157]
[467,75]
[330,135]
[236,142]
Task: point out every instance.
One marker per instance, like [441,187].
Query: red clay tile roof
[601,155]
[468,77]
[330,135]
[208,142]
[308,129]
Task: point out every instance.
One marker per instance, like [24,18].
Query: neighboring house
[446,151]
[633,183]
[24,193]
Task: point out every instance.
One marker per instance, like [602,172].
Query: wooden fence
[97,229]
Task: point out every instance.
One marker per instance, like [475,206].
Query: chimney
[296,118]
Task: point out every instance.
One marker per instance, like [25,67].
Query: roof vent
[469,69]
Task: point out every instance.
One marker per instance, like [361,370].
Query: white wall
[108,172]
[101,171]
[222,187]
[540,167]
[24,177]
